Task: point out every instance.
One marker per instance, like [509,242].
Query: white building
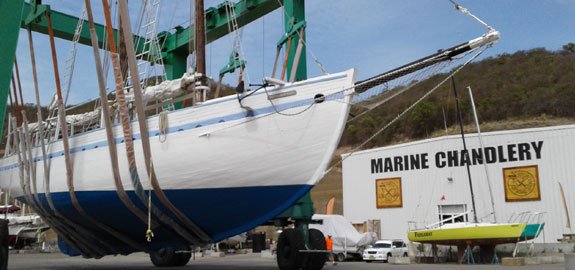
[419,181]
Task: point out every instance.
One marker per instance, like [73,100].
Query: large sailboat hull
[227,165]
[469,233]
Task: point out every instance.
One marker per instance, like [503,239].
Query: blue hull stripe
[192,125]
[221,212]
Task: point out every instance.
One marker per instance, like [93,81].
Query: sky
[372,36]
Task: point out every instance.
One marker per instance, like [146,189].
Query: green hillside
[508,88]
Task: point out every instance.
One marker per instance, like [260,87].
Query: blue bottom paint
[220,212]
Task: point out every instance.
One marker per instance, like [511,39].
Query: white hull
[213,146]
[272,150]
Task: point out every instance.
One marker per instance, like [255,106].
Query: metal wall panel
[423,189]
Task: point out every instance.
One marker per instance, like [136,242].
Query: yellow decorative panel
[388,193]
[521,184]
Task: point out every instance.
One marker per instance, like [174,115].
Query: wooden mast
[200,38]
[200,88]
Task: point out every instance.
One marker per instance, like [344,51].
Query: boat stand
[495,259]
[434,253]
[467,255]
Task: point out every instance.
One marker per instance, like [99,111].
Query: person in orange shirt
[329,243]
[329,248]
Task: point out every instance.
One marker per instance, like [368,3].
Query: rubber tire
[183,258]
[368,261]
[388,256]
[4,244]
[315,261]
[290,242]
[167,257]
[340,257]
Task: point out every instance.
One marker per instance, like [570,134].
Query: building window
[452,213]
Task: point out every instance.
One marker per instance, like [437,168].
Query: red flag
[442,198]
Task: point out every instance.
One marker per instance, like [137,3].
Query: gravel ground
[246,261]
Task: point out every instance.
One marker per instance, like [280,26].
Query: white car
[382,250]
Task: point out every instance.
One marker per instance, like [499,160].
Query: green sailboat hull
[532,231]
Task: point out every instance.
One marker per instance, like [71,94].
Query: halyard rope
[315,59]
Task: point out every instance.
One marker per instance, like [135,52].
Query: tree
[569,47]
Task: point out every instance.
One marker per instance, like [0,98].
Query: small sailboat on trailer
[465,234]
[190,176]
[468,233]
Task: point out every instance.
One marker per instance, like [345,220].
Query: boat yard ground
[244,261]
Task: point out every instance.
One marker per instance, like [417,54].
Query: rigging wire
[468,13]
[308,49]
[444,55]
[69,72]
[407,109]
[288,114]
[240,99]
[266,115]
[237,47]
[401,91]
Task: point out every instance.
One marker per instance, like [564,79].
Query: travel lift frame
[15,14]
